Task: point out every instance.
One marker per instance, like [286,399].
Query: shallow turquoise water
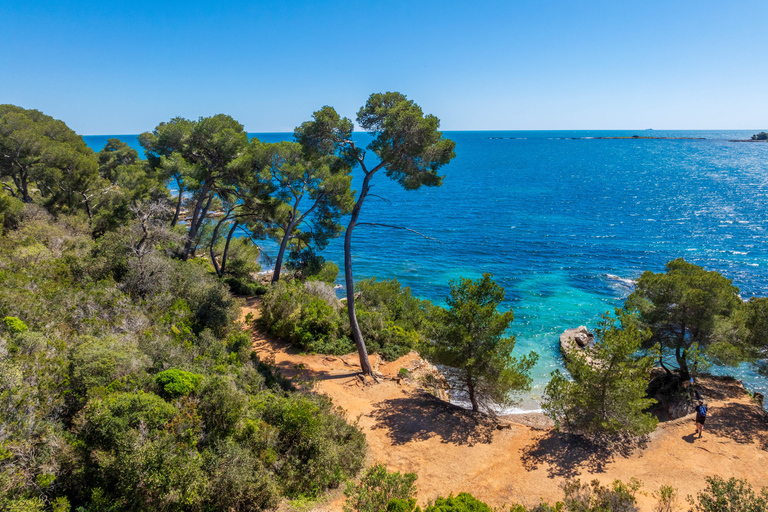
[552,217]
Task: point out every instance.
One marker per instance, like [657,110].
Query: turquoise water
[563,221]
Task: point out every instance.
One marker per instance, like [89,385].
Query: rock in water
[575,339]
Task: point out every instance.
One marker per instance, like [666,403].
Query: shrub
[378,488]
[245,286]
[593,497]
[292,313]
[733,495]
[464,502]
[319,449]
[108,421]
[14,325]
[176,383]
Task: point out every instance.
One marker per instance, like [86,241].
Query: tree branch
[398,227]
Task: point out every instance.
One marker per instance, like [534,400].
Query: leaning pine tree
[409,148]
[471,341]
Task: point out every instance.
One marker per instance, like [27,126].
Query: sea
[566,221]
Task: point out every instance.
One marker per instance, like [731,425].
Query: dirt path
[410,430]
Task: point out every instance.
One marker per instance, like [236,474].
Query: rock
[759,397]
[575,339]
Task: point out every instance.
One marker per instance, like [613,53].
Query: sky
[123,67]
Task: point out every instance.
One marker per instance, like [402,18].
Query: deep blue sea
[564,221]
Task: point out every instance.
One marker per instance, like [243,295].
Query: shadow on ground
[744,423]
[421,416]
[566,455]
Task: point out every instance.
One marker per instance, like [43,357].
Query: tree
[198,155]
[409,147]
[608,392]
[682,308]
[760,136]
[38,149]
[133,181]
[320,186]
[163,147]
[472,342]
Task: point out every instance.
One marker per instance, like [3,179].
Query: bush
[464,502]
[176,383]
[733,495]
[393,321]
[319,449]
[593,497]
[377,488]
[245,286]
[14,325]
[292,313]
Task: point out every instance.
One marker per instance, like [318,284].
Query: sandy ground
[452,450]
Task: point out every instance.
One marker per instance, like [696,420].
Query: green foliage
[683,306]
[14,325]
[464,502]
[298,177]
[471,340]
[760,136]
[111,323]
[291,312]
[732,495]
[245,286]
[403,505]
[667,499]
[307,265]
[376,490]
[593,497]
[393,321]
[175,383]
[608,392]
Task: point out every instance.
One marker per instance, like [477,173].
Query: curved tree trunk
[357,334]
[219,270]
[226,247]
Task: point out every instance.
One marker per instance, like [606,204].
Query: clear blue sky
[122,67]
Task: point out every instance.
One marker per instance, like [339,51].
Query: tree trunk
[180,184]
[681,356]
[357,335]
[471,390]
[226,247]
[219,270]
[682,363]
[281,251]
[194,225]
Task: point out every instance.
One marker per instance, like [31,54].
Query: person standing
[701,417]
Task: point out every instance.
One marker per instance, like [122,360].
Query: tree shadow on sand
[566,455]
[743,423]
[420,416]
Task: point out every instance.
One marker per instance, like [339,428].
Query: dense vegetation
[310,315]
[760,136]
[125,383]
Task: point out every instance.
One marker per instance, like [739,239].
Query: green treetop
[472,341]
[608,392]
[683,308]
